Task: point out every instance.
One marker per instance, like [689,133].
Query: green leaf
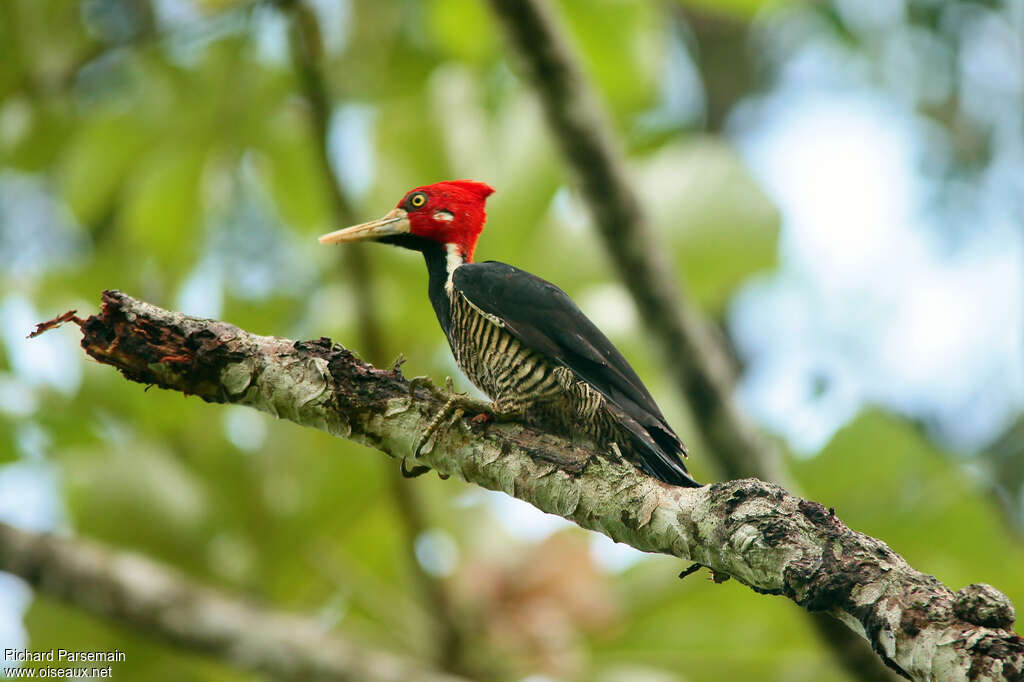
[721,227]
[161,211]
[464,30]
[741,9]
[97,158]
[294,171]
[43,137]
[620,44]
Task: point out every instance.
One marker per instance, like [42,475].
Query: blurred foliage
[165,150]
[741,9]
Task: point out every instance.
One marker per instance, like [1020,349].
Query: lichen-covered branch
[754,531]
[151,598]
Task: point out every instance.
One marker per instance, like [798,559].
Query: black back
[543,317]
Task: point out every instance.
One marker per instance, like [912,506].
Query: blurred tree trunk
[147,597]
[720,42]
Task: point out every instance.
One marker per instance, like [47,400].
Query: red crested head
[445,213]
[449,212]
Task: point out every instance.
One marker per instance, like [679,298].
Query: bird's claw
[455,408]
[424,381]
[692,568]
[436,391]
[446,416]
[396,368]
[417,470]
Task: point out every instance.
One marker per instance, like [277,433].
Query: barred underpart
[527,384]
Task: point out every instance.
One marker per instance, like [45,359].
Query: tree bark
[748,529]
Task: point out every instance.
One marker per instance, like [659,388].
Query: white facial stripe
[453,259]
[444,216]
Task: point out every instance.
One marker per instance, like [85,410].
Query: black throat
[436,258]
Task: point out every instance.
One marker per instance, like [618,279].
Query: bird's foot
[616,454]
[456,407]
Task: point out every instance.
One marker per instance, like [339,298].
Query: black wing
[543,317]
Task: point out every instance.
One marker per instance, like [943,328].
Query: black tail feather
[657,453]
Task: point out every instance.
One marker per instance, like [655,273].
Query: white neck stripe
[453,260]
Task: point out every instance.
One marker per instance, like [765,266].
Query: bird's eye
[418,200]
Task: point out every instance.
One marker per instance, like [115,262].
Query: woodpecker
[520,339]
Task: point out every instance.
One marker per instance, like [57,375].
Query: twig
[42,327]
[753,531]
